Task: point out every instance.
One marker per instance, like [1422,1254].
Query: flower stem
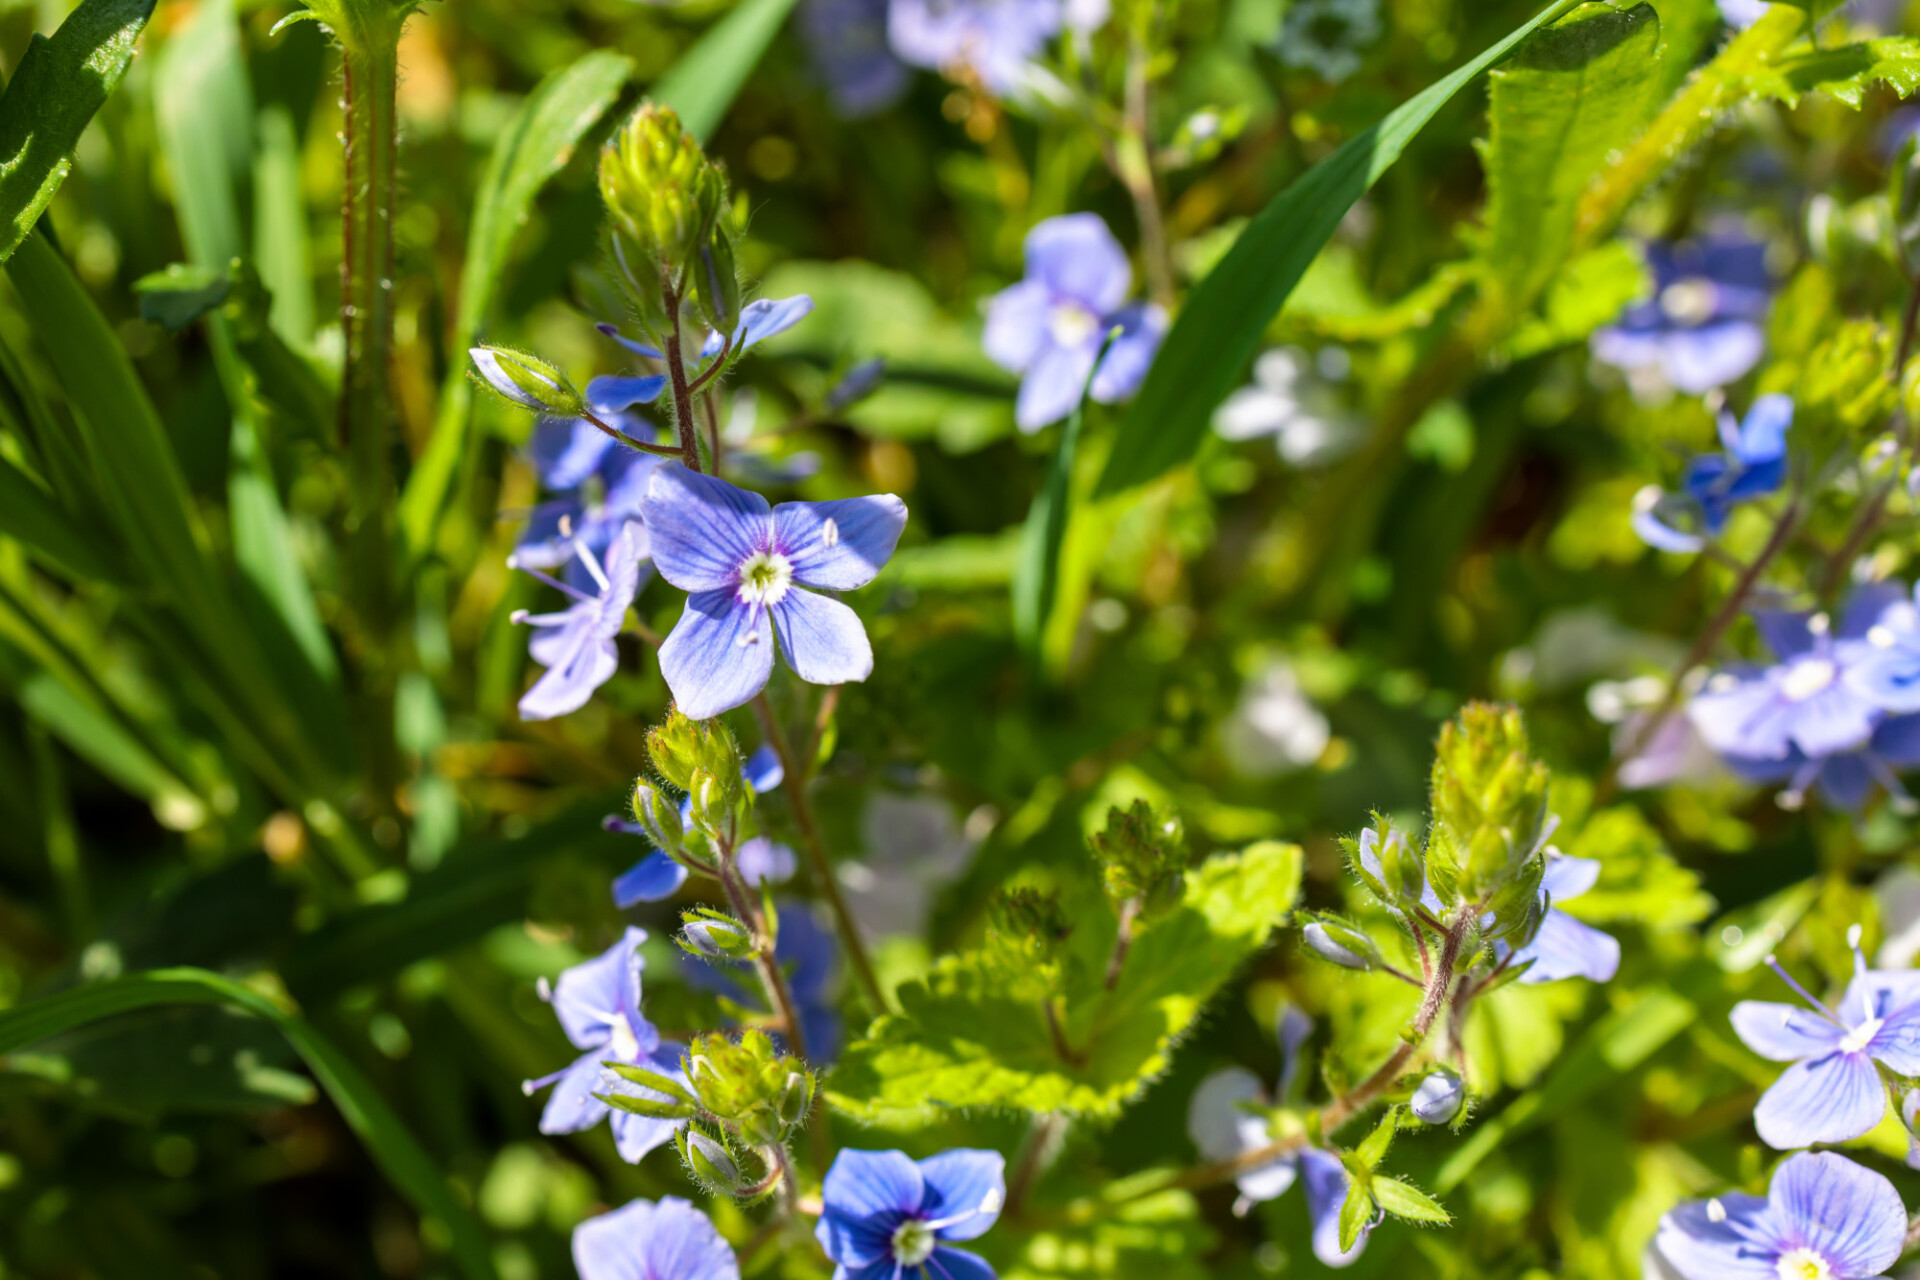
[779,995]
[1037,1150]
[794,784]
[1122,941]
[683,424]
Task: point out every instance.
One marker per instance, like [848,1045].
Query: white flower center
[1072,325]
[1689,301]
[624,1044]
[1802,1264]
[1806,678]
[1861,1036]
[913,1242]
[765,577]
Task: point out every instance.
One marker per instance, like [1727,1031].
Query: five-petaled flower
[1754,465]
[1225,1121]
[991,41]
[1824,1218]
[1701,328]
[642,1240]
[883,1215]
[1049,328]
[577,645]
[598,1004]
[1833,1091]
[743,565]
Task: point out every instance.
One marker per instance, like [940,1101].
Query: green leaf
[29,513]
[1106,1236]
[1371,1152]
[180,293]
[361,1106]
[1355,1212]
[652,1080]
[55,91]
[974,1032]
[707,78]
[1588,292]
[647,1107]
[1223,320]
[1404,1201]
[537,144]
[1572,95]
[1845,73]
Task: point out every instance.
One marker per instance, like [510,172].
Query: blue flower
[743,565]
[1824,1218]
[1804,721]
[1832,1092]
[1224,1122]
[598,1004]
[847,40]
[597,483]
[805,952]
[1754,465]
[1885,666]
[1701,329]
[759,321]
[658,876]
[1049,327]
[993,42]
[577,645]
[883,1215]
[642,1240]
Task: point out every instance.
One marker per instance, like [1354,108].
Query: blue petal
[1053,384]
[572,1105]
[763,770]
[566,451]
[1833,1099]
[1845,781]
[604,1248]
[1017,325]
[808,950]
[865,1197]
[965,1188]
[764,318]
[761,861]
[1214,1112]
[642,1241]
[839,546]
[1698,360]
[588,991]
[958,1264]
[1326,1190]
[1077,258]
[703,528]
[1292,1030]
[654,878]
[823,640]
[1566,948]
[1897,741]
[1833,720]
[1567,878]
[1763,436]
[607,395]
[540,545]
[719,654]
[1851,1216]
[1889,678]
[1745,720]
[638,348]
[1143,326]
[1704,1244]
[1786,632]
[1784,1032]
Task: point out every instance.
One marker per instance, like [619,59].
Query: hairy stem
[1122,941]
[779,995]
[1037,1150]
[689,434]
[794,784]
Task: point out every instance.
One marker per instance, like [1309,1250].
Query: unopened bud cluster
[700,758]
[1489,801]
[667,222]
[749,1086]
[1141,853]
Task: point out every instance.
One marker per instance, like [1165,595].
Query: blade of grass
[393,1148]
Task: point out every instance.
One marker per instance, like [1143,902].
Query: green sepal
[1403,1200]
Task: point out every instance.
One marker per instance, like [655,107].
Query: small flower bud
[1438,1098]
[797,1099]
[711,1164]
[526,381]
[660,816]
[1340,944]
[681,748]
[715,936]
[716,281]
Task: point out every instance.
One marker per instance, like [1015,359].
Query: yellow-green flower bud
[663,197]
[526,382]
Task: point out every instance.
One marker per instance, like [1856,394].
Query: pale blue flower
[1224,1121]
[847,40]
[577,645]
[642,1240]
[1701,329]
[598,1004]
[994,42]
[744,566]
[1833,1091]
[1824,1218]
[883,1215]
[1754,465]
[1050,326]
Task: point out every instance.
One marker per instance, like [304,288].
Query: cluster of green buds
[749,1088]
[1141,853]
[1490,820]
[700,758]
[668,223]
